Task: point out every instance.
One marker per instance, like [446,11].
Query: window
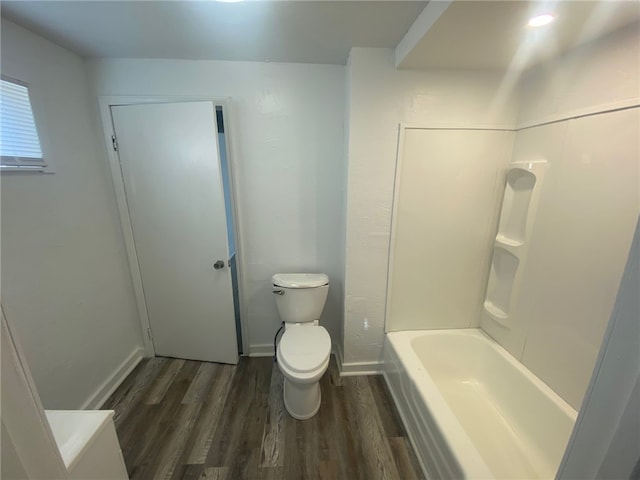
[19,143]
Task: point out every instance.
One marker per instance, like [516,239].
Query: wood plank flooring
[180,419]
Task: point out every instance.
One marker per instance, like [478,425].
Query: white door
[170,165]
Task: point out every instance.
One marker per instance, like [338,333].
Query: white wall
[606,440]
[380,98]
[589,204]
[286,128]
[66,287]
[593,77]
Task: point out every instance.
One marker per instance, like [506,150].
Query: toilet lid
[304,348]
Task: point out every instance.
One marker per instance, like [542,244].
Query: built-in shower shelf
[496,313]
[505,241]
[521,181]
[519,203]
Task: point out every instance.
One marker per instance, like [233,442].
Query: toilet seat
[304,351]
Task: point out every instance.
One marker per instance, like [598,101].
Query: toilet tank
[300,297]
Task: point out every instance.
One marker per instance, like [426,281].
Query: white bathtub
[471,410]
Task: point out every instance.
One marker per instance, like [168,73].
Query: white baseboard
[104,391]
[261,350]
[351,369]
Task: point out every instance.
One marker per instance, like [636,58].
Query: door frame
[105,104]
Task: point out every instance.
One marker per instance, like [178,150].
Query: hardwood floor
[180,419]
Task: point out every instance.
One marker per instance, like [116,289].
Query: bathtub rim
[558,401]
[456,437]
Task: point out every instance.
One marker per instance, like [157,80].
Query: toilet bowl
[303,357]
[304,349]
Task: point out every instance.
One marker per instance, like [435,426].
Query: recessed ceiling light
[540,20]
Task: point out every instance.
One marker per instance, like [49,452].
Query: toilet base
[302,401]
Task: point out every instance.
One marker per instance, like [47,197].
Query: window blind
[19,143]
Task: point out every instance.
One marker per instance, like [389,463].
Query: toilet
[305,346]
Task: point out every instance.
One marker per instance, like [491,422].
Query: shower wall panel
[448,192]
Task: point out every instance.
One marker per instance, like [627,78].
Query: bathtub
[471,410]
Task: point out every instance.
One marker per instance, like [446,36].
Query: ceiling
[307,31]
[494,35]
[469,34]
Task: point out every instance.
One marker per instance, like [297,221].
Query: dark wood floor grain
[180,419]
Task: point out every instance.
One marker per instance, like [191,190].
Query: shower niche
[521,192]
[504,266]
[515,205]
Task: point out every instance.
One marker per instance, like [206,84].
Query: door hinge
[114,142]
[149,334]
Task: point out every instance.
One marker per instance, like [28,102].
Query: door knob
[218,265]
